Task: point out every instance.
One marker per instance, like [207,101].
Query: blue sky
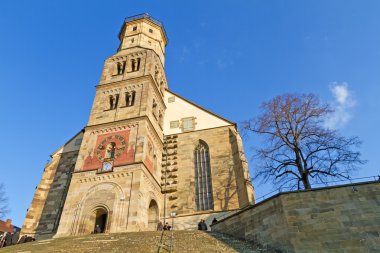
[228,56]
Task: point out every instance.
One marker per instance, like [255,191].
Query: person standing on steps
[202,225]
[167,226]
[97,229]
[15,238]
[8,239]
[159,226]
[2,240]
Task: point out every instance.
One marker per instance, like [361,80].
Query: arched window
[113,101]
[203,187]
[130,98]
[121,67]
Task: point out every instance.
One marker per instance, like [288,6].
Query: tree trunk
[305,181]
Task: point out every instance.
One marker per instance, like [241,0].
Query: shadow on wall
[227,190]
[52,210]
[190,222]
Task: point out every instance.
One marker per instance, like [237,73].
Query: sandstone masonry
[143,146]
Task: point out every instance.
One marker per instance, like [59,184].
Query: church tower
[143,146]
[116,180]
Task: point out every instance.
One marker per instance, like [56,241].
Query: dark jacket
[203,226]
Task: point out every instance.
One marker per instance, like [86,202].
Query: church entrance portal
[101,215]
[152,215]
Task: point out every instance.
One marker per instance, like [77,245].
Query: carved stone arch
[201,142]
[106,195]
[92,219]
[153,211]
[97,186]
[153,196]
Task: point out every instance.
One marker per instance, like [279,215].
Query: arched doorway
[152,215]
[100,215]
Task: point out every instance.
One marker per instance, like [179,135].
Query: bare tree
[298,149]
[3,201]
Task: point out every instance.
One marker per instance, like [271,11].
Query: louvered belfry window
[203,187]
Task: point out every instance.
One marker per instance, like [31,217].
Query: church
[145,153]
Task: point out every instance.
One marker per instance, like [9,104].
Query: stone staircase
[184,241]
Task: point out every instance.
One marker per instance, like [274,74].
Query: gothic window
[203,186]
[134,28]
[135,64]
[151,30]
[120,67]
[130,98]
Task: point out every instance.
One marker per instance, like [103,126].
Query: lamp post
[166,169]
[173,215]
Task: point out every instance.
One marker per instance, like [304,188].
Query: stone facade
[43,215]
[138,151]
[226,170]
[337,219]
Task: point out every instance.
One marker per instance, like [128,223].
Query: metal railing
[147,16]
[318,185]
[143,15]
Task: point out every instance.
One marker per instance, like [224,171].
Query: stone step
[183,241]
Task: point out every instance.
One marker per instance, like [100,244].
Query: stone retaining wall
[335,219]
[190,222]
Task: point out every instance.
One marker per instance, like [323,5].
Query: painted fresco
[149,155]
[111,146]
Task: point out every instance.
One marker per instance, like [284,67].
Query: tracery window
[203,184]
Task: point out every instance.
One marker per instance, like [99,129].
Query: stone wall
[34,212]
[44,212]
[126,194]
[51,213]
[230,185]
[335,219]
[190,222]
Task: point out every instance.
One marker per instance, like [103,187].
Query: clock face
[111,147]
[107,166]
